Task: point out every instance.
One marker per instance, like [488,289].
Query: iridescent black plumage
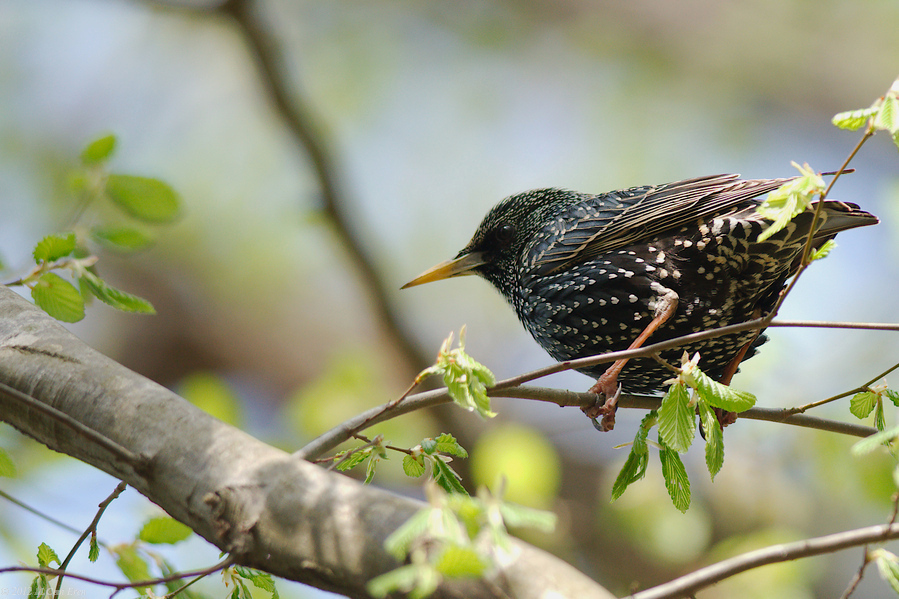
[586,273]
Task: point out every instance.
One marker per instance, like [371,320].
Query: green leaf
[717,394]
[862,404]
[887,118]
[164,530]
[260,580]
[466,379]
[46,556]
[448,479]
[54,247]
[888,566]
[98,150]
[854,119]
[40,586]
[146,199]
[58,298]
[116,298]
[132,565]
[635,466]
[413,466]
[789,200]
[419,580]
[714,439]
[519,516]
[457,561]
[356,458]
[823,251]
[7,466]
[399,541]
[893,396]
[94,551]
[372,466]
[875,441]
[446,443]
[676,481]
[121,239]
[677,423]
[879,420]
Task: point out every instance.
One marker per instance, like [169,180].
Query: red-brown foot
[608,392]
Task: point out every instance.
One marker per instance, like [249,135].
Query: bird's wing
[615,220]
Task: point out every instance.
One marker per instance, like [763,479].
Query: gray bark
[271,510]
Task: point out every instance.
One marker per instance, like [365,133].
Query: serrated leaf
[448,479]
[823,251]
[413,466]
[98,150]
[714,439]
[446,443]
[164,530]
[116,298]
[39,587]
[789,200]
[879,420]
[356,458]
[888,566]
[862,404]
[146,199]
[635,465]
[887,118]
[457,561]
[677,424]
[121,239]
[260,580]
[854,119]
[719,395]
[875,441]
[46,556]
[58,298]
[893,396]
[94,551]
[7,466]
[54,247]
[676,481]
[371,467]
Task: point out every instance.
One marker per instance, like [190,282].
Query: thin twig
[859,574]
[337,435]
[859,389]
[120,586]
[704,577]
[91,529]
[39,514]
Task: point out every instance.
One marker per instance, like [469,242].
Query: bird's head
[497,248]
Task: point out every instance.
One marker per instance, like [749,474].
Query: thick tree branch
[268,509]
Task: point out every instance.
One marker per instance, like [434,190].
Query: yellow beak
[463,265]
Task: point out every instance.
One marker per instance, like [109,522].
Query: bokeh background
[429,113]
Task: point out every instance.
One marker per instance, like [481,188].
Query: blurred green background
[431,112]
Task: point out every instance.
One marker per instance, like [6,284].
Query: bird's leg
[607,384]
[724,417]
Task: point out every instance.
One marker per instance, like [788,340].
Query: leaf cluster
[465,378]
[457,536]
[692,393]
[145,201]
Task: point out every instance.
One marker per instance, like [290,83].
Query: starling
[589,274]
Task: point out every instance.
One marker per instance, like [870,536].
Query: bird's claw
[605,408]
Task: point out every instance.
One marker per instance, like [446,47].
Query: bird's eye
[504,233]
